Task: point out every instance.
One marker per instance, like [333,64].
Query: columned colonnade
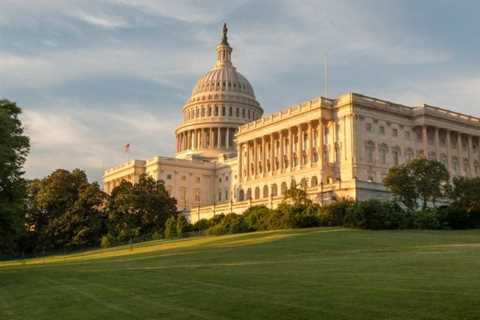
[206,138]
[458,151]
[299,146]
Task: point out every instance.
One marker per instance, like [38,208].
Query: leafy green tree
[182,226]
[139,209]
[297,196]
[418,180]
[465,194]
[171,227]
[14,147]
[65,210]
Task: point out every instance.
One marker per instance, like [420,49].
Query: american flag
[126,148]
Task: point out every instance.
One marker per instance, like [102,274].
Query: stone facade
[229,158]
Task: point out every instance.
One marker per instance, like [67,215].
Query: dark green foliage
[231,223]
[376,215]
[139,209]
[171,228]
[426,219]
[216,219]
[183,226]
[454,218]
[334,213]
[255,217]
[418,180]
[105,242]
[14,147]
[201,225]
[465,194]
[64,210]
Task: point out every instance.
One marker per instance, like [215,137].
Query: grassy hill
[323,273]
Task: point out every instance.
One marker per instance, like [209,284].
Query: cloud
[192,11]
[92,140]
[103,21]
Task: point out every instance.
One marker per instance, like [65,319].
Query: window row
[222,111]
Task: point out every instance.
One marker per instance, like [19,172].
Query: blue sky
[92,76]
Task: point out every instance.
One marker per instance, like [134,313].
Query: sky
[94,75]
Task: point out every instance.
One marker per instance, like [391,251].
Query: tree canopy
[419,180]
[64,210]
[139,209]
[14,148]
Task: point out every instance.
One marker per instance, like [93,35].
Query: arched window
[203,112]
[396,156]
[304,183]
[274,191]
[314,181]
[230,111]
[455,165]
[243,113]
[409,154]
[223,111]
[383,153]
[466,166]
[216,111]
[369,151]
[249,194]
[444,160]
[265,191]
[283,188]
[257,193]
[241,195]
[209,111]
[237,112]
[293,183]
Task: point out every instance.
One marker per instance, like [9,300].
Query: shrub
[426,219]
[231,223]
[376,215]
[454,218]
[216,219]
[183,226]
[156,235]
[201,225]
[255,217]
[105,242]
[334,214]
[170,228]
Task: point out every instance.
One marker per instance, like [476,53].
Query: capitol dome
[221,101]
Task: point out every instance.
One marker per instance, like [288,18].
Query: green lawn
[323,273]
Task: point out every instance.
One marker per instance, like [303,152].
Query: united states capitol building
[229,156]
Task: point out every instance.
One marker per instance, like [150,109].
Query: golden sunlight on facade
[229,157]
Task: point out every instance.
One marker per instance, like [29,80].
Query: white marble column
[290,148]
[227,138]
[310,144]
[437,142]
[449,151]
[470,156]
[282,151]
[299,145]
[264,152]
[240,161]
[425,141]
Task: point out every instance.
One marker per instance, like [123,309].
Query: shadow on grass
[172,247]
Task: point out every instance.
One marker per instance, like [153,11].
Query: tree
[465,194]
[14,147]
[418,180]
[139,209]
[65,210]
[297,195]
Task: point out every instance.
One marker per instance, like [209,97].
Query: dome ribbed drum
[221,101]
